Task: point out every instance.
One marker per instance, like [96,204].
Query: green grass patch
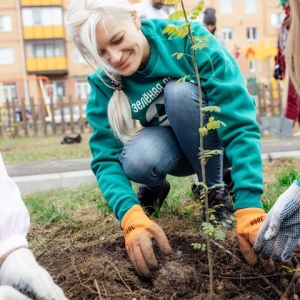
[42,148]
[66,205]
[284,178]
[77,205]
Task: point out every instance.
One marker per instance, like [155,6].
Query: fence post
[71,113]
[62,113]
[43,115]
[53,123]
[81,121]
[24,117]
[33,116]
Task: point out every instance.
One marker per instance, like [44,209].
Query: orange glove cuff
[134,222]
[249,220]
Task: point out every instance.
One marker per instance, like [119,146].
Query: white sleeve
[14,217]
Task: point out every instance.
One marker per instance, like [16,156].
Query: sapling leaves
[196,11]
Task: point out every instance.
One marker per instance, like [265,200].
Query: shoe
[220,202]
[228,183]
[196,189]
[150,200]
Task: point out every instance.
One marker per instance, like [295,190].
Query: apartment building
[38,59]
[249,26]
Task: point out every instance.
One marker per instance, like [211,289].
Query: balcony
[47,65]
[43,32]
[40,2]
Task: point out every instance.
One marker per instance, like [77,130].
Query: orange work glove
[248,222]
[139,231]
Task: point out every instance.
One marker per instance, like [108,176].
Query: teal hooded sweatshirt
[223,83]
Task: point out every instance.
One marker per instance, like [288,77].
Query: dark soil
[103,271]
[90,262]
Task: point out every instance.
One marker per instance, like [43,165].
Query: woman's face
[122,44]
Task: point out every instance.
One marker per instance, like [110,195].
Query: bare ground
[90,264]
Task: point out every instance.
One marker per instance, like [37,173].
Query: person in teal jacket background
[136,78]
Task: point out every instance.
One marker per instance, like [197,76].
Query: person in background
[293,100]
[21,277]
[280,232]
[137,79]
[150,9]
[210,22]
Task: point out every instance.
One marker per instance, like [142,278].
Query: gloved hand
[279,234]
[9,293]
[248,222]
[21,270]
[139,231]
[278,73]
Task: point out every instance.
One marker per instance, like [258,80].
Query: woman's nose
[114,56]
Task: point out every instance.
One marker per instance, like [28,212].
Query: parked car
[66,116]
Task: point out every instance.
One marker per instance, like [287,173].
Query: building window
[277,19]
[250,6]
[255,66]
[37,16]
[82,89]
[42,16]
[5,23]
[226,6]
[77,57]
[252,34]
[227,33]
[61,89]
[7,56]
[46,48]
[9,92]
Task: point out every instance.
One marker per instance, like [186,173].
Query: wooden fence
[269,103]
[68,116]
[40,119]
[269,99]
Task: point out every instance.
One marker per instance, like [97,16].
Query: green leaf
[179,55]
[194,14]
[210,153]
[176,15]
[211,108]
[219,235]
[208,228]
[203,131]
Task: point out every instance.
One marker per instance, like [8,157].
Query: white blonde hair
[292,55]
[81,21]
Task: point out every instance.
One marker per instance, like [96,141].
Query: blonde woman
[136,79]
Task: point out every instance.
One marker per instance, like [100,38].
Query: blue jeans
[173,150]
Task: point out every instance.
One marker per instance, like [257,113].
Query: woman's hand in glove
[139,231]
[21,271]
[248,222]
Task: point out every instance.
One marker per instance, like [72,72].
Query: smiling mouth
[121,65]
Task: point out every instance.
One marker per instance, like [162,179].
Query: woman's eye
[119,40]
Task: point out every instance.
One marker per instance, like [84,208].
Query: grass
[77,205]
[284,177]
[66,205]
[41,149]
